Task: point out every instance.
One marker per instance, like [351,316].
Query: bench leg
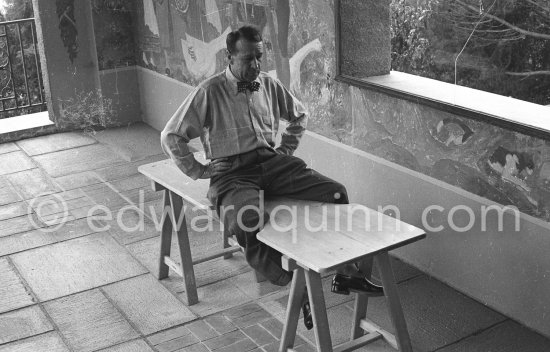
[165,236]
[319,311]
[295,299]
[394,306]
[361,302]
[185,249]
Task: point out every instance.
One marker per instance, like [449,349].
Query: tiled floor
[74,282]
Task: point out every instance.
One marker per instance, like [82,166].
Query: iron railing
[21,85]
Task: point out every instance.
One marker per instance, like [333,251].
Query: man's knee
[340,194]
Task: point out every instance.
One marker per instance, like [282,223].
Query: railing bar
[38,68]
[11,68]
[20,20]
[23,62]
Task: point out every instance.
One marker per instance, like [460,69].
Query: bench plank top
[168,175]
[323,236]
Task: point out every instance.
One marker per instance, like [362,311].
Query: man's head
[244,52]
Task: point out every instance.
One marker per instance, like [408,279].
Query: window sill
[510,113]
[24,122]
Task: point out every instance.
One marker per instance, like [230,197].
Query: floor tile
[133,142]
[168,335]
[7,192]
[220,323]
[98,176]
[89,322]
[13,293]
[201,330]
[32,183]
[78,228]
[8,147]
[20,224]
[69,204]
[148,304]
[15,162]
[212,271]
[54,142]
[217,297]
[50,342]
[225,340]
[247,315]
[23,241]
[173,339]
[130,225]
[401,270]
[79,159]
[76,265]
[132,346]
[430,306]
[14,210]
[259,335]
[248,284]
[198,347]
[23,323]
[508,336]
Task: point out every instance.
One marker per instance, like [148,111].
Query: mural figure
[200,57]
[514,167]
[67,26]
[452,131]
[295,64]
[150,43]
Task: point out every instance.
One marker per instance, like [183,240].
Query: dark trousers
[276,175]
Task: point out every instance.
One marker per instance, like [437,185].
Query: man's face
[245,61]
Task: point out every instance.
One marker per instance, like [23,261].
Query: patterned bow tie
[251,86]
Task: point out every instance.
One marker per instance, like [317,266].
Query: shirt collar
[232,80]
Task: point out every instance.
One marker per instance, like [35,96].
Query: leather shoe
[308,318]
[343,284]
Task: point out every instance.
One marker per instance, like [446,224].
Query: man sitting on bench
[236,115]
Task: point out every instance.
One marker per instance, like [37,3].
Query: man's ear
[229,57]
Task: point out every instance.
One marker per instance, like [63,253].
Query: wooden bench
[354,233]
[177,188]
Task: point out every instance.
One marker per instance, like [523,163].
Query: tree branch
[528,73]
[507,24]
[539,6]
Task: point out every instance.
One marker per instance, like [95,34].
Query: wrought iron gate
[21,85]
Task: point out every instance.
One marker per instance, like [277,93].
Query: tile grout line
[38,303]
[121,312]
[475,333]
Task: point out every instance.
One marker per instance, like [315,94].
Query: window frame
[387,84]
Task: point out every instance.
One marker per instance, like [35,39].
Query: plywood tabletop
[323,236]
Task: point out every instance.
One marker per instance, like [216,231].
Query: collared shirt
[229,122]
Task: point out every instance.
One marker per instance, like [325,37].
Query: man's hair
[248,32]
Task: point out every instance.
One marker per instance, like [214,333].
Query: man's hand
[216,167]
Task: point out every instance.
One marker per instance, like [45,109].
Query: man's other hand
[216,167]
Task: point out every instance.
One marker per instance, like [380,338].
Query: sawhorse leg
[295,298]
[318,310]
[172,220]
[394,305]
[361,301]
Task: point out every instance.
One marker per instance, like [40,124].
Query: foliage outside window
[499,46]
[18,58]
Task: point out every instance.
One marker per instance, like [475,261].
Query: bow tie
[251,86]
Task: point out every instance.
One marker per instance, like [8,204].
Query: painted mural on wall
[114,32]
[186,40]
[67,26]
